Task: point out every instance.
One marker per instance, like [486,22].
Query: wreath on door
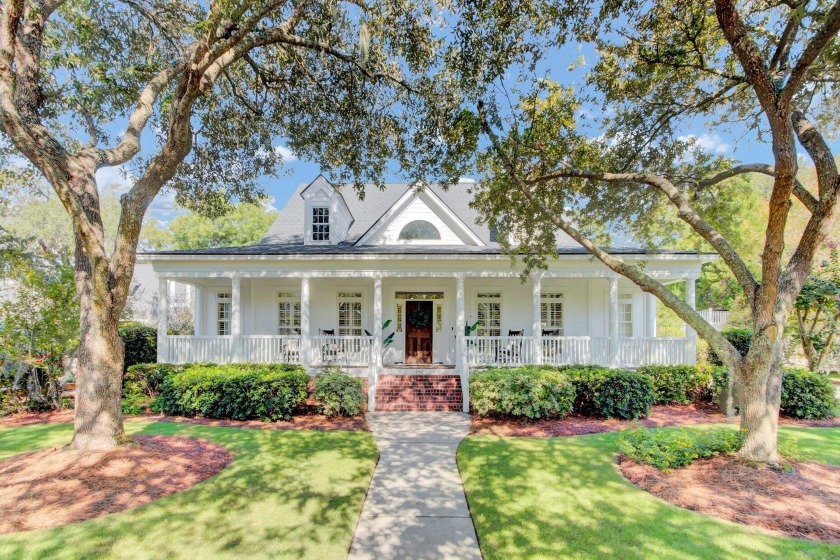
[418,318]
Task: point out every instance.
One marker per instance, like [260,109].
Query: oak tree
[194,96]
[767,68]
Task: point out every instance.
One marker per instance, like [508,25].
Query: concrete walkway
[416,508]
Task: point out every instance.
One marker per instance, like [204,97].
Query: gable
[419,219]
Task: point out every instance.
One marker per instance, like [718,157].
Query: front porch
[461,321]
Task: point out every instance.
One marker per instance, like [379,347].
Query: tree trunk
[98,422]
[760,388]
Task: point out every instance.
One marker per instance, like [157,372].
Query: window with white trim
[488,308]
[288,313]
[349,314]
[223,309]
[625,315]
[551,312]
[321,223]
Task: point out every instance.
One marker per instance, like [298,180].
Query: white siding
[417,210]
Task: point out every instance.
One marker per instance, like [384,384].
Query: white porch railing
[342,350]
[575,350]
[480,350]
[267,349]
[196,349]
[223,349]
[715,317]
[634,352]
[499,350]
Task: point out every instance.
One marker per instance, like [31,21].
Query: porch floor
[415,507]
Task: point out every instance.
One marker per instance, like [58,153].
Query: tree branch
[820,40]
[818,149]
[799,190]
[715,339]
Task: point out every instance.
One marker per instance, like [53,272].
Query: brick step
[419,393]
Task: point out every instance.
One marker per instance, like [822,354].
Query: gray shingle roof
[285,236]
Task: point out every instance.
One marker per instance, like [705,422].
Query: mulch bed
[803,503]
[577,425]
[54,487]
[308,419]
[32,418]
[317,422]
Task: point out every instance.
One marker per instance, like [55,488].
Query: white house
[319,288]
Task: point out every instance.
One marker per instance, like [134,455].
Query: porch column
[305,341]
[690,334]
[376,362]
[236,318]
[536,317]
[199,306]
[460,341]
[613,331]
[162,320]
[650,315]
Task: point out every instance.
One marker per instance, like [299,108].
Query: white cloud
[708,142]
[285,153]
[115,178]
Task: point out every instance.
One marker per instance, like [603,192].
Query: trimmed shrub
[740,339]
[678,384]
[807,395]
[140,344]
[528,391]
[236,391]
[669,449]
[611,393]
[142,383]
[340,394]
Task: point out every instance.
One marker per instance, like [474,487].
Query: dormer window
[321,223]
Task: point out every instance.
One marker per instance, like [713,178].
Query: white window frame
[342,296]
[625,309]
[553,298]
[317,234]
[286,297]
[483,296]
[222,319]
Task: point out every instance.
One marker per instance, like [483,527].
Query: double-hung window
[625,315]
[321,223]
[350,314]
[223,307]
[288,313]
[551,312]
[488,307]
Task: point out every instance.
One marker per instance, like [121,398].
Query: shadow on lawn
[561,498]
[286,494]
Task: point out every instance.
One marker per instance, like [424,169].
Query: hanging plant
[418,318]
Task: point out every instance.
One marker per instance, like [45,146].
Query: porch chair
[512,351]
[329,350]
[551,348]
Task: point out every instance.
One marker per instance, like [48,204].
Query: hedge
[140,344]
[234,391]
[668,449]
[741,339]
[679,384]
[340,394]
[805,394]
[528,391]
[142,383]
[610,393]
[808,395]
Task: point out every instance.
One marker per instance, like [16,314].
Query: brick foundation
[419,393]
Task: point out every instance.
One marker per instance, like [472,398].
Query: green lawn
[286,494]
[565,498]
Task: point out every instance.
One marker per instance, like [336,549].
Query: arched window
[419,230]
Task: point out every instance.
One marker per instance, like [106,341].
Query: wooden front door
[418,332]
